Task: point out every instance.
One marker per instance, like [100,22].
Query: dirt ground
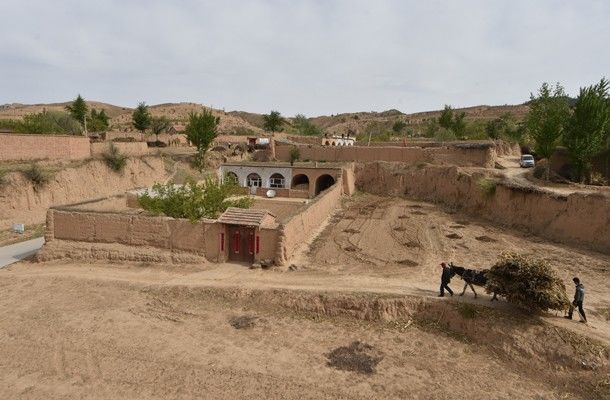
[99,331]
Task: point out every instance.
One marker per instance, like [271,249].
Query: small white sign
[19,228]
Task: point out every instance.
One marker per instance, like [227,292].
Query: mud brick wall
[134,230]
[304,224]
[127,148]
[15,147]
[477,156]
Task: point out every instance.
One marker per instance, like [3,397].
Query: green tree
[305,127]
[194,201]
[273,121]
[78,109]
[398,126]
[505,127]
[141,117]
[452,121]
[97,121]
[201,130]
[49,122]
[547,118]
[159,125]
[588,129]
[294,154]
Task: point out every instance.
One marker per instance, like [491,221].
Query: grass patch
[467,311]
[37,175]
[115,160]
[487,186]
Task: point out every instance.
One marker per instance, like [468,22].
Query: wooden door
[241,244]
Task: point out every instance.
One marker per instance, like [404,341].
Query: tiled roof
[244,216]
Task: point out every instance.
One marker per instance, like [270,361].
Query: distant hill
[246,123]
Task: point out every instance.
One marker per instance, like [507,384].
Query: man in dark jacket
[579,298]
[445,279]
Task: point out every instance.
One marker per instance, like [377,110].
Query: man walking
[445,279]
[579,298]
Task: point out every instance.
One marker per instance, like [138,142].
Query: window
[276,181]
[254,180]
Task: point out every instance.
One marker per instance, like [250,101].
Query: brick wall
[478,156]
[133,149]
[15,147]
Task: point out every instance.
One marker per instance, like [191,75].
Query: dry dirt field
[358,319]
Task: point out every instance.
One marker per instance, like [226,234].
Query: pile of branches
[529,283]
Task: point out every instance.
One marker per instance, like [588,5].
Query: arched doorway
[300,182]
[231,177]
[254,180]
[277,181]
[324,182]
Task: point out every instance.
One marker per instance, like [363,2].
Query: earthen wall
[25,147]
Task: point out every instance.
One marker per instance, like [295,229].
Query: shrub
[294,154]
[114,159]
[37,175]
[127,139]
[443,135]
[487,186]
[527,282]
[193,200]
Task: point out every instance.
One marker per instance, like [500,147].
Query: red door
[242,244]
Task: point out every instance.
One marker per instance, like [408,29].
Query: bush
[527,282]
[194,201]
[127,139]
[444,135]
[156,143]
[37,175]
[294,154]
[114,159]
[487,186]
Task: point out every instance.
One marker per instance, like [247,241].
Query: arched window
[231,177]
[277,181]
[327,143]
[254,180]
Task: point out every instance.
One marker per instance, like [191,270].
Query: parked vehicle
[527,161]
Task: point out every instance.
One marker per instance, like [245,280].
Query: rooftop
[245,216]
[311,164]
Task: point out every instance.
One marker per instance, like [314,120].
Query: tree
[141,117]
[159,125]
[305,127]
[547,118]
[588,129]
[398,126]
[78,110]
[273,121]
[201,130]
[193,200]
[50,122]
[527,282]
[453,122]
[505,127]
[294,154]
[97,121]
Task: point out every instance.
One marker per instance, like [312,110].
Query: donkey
[472,277]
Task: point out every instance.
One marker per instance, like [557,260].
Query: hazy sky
[311,57]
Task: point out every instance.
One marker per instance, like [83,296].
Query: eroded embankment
[24,202]
[578,218]
[528,343]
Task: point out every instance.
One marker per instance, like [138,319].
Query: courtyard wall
[477,155]
[579,218]
[26,147]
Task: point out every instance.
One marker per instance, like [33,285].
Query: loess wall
[477,156]
[23,202]
[578,219]
[133,149]
[26,147]
[304,224]
[134,230]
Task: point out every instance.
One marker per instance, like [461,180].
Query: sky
[296,56]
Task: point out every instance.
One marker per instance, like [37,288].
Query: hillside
[246,123]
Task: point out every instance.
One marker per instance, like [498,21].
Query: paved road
[15,252]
